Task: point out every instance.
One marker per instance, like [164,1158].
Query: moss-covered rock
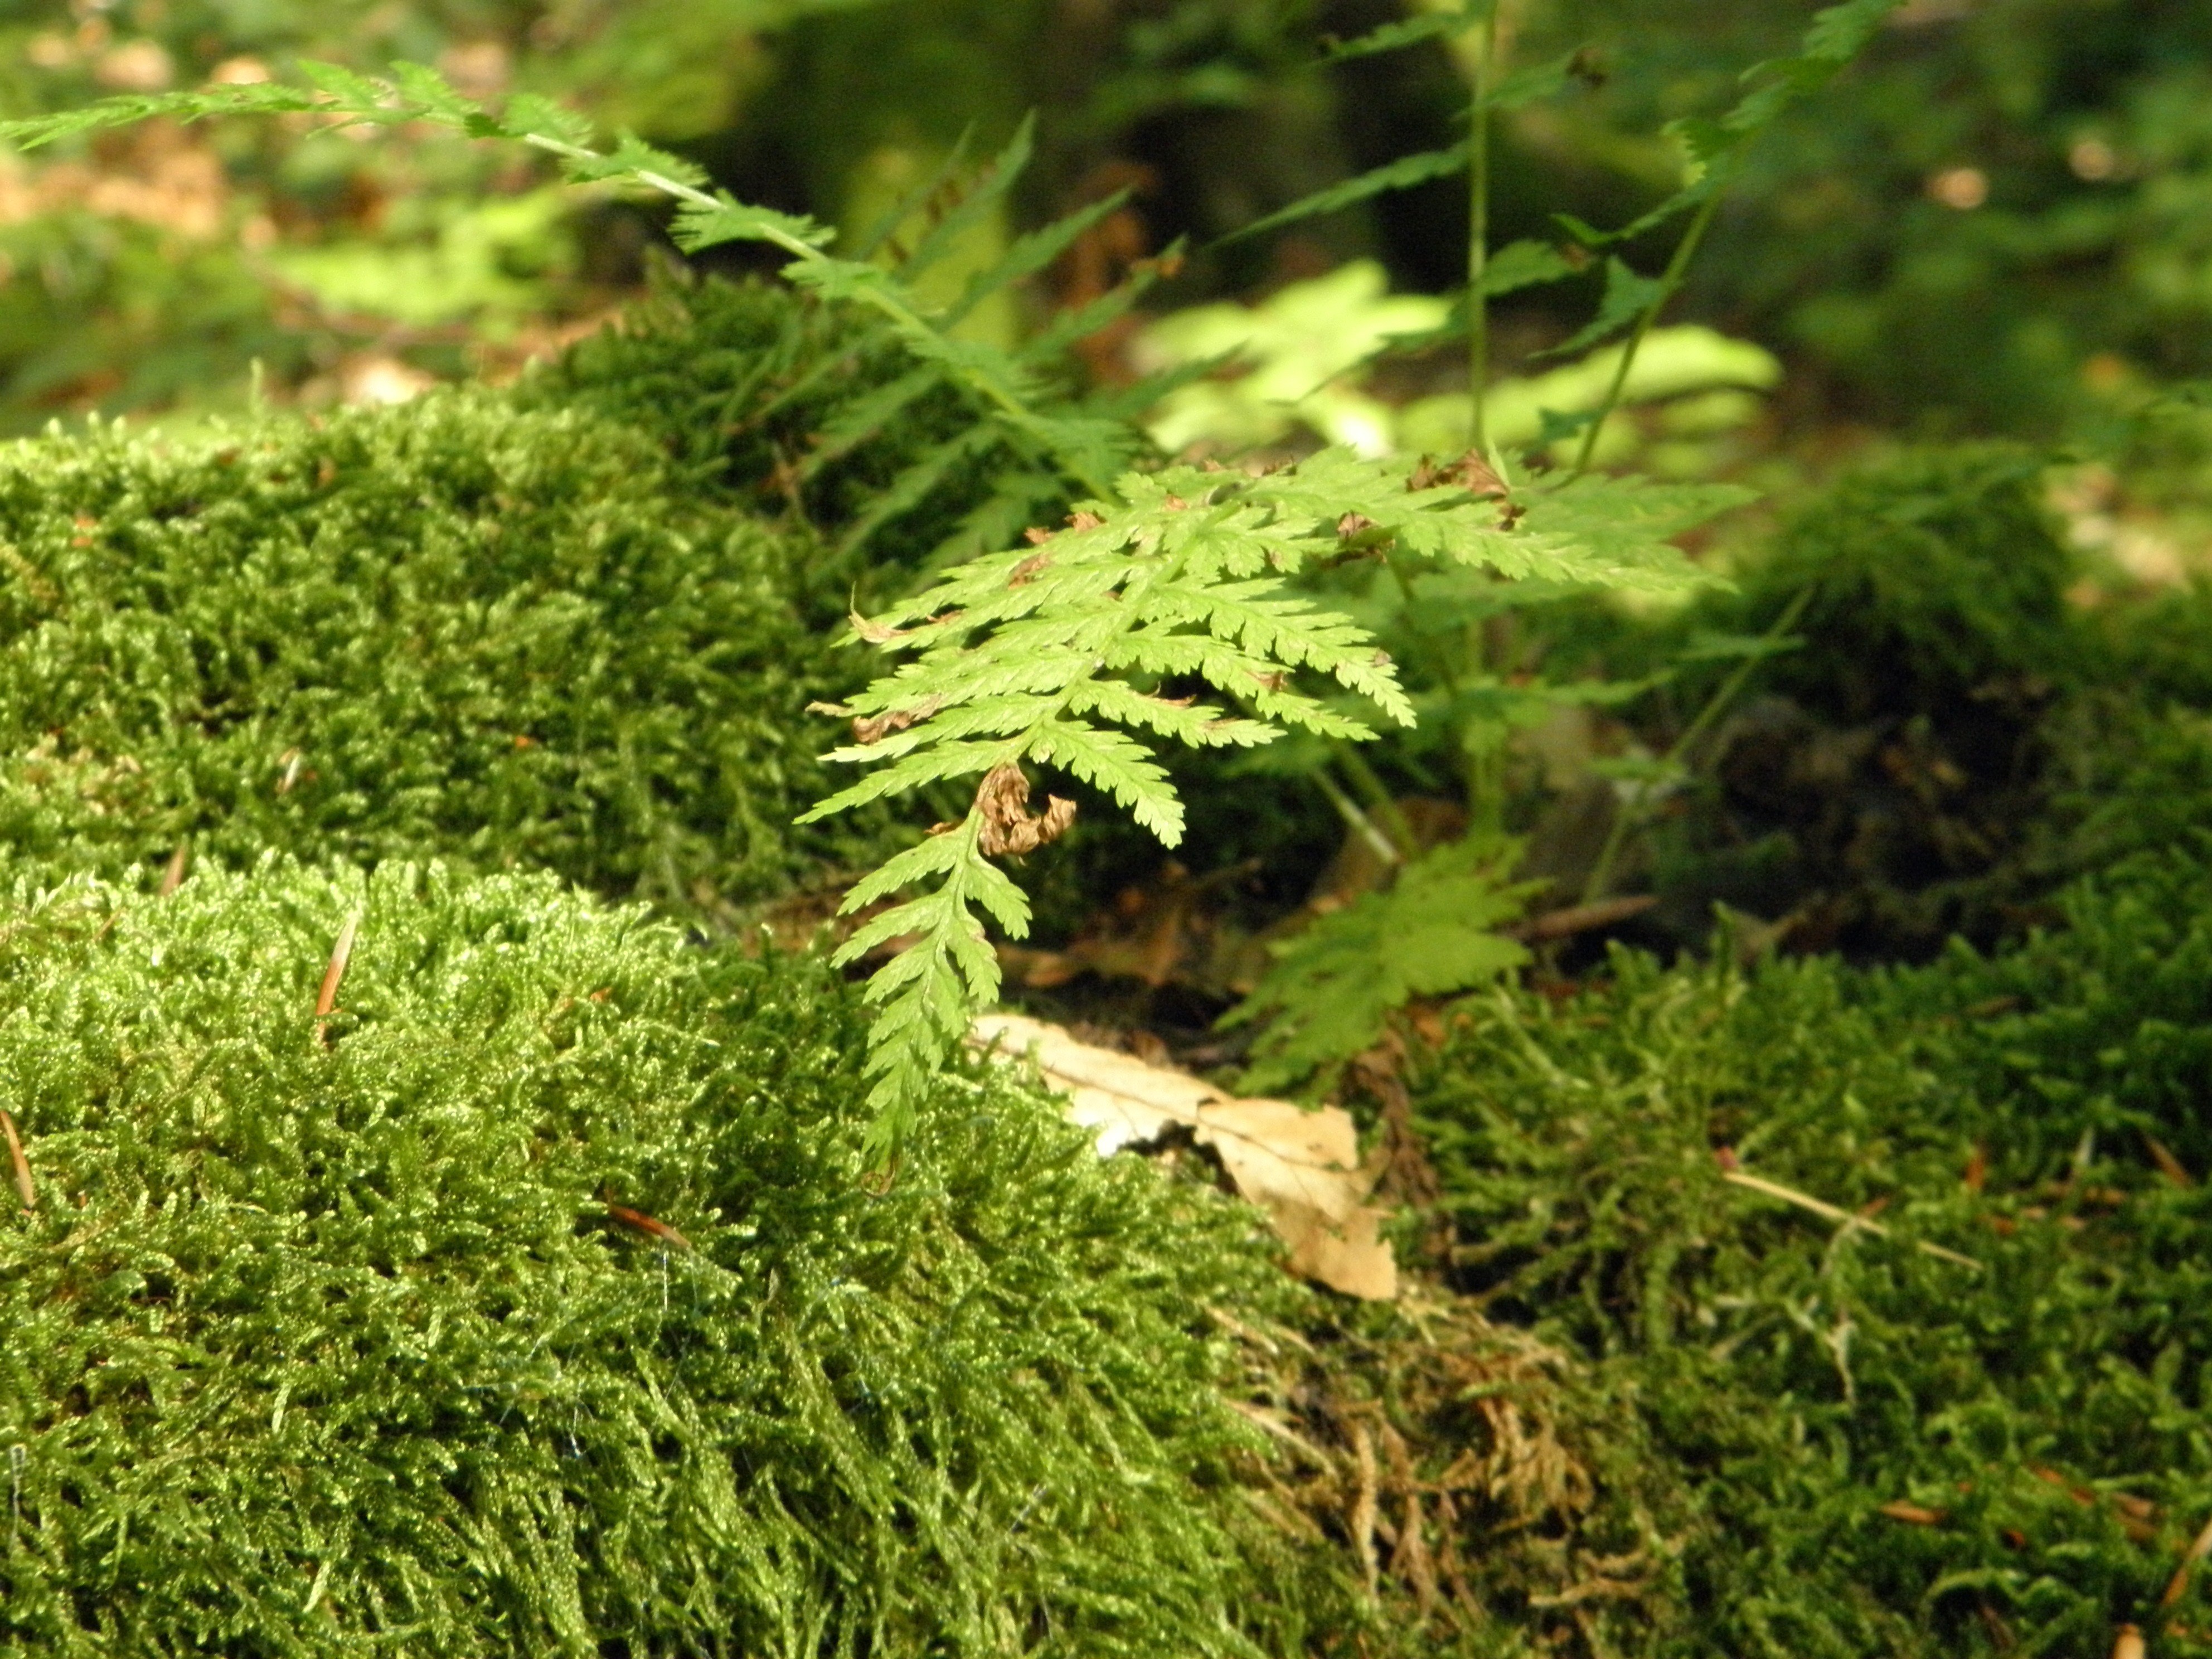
[1882,787]
[506,638]
[535,1302]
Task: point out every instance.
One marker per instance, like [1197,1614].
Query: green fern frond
[1333,986]
[1054,654]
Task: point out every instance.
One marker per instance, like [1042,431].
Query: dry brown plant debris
[1301,1167]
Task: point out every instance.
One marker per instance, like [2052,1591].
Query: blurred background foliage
[1997,224]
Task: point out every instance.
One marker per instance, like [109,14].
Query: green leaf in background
[1627,295]
[1400,174]
[1334,983]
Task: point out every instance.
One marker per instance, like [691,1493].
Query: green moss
[2100,1026]
[1932,575]
[1782,1378]
[326,1347]
[503,638]
[786,406]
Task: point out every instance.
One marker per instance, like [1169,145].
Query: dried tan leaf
[875,728]
[874,632]
[1301,1167]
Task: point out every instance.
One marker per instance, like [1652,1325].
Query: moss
[315,1346]
[786,406]
[503,638]
[2032,1426]
[1932,576]
[1881,788]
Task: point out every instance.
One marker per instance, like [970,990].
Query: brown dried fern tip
[1003,799]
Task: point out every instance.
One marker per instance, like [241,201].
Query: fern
[1334,984]
[1053,655]
[1056,653]
[1087,449]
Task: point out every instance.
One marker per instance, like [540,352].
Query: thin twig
[179,861]
[24,1188]
[1841,1217]
[1677,752]
[1363,1515]
[333,975]
[2178,1586]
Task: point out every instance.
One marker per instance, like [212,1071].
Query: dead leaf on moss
[1301,1167]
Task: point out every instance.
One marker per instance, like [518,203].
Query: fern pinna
[1063,652]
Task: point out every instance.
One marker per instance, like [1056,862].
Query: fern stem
[1380,801]
[1669,281]
[1478,232]
[907,320]
[1601,873]
[1360,823]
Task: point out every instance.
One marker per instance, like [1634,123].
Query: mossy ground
[315,1345]
[321,1344]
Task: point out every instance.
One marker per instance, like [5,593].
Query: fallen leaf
[1301,1167]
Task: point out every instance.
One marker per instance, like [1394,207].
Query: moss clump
[1866,1447]
[1933,577]
[315,1345]
[2101,1026]
[778,403]
[500,637]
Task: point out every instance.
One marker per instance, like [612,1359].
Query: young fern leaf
[1053,655]
[1334,984]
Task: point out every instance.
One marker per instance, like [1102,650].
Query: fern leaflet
[1334,983]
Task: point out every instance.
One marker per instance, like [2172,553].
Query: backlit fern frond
[1055,654]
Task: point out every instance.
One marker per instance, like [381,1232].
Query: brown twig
[173,877]
[327,998]
[1579,918]
[24,1188]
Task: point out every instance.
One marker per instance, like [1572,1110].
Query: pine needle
[24,1188]
[327,1000]
[2178,1586]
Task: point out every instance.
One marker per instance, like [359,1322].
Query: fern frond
[1060,654]
[974,205]
[1397,36]
[1087,450]
[1333,986]
[1401,174]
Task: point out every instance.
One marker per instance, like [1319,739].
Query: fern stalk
[1600,875]
[1478,231]
[1670,282]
